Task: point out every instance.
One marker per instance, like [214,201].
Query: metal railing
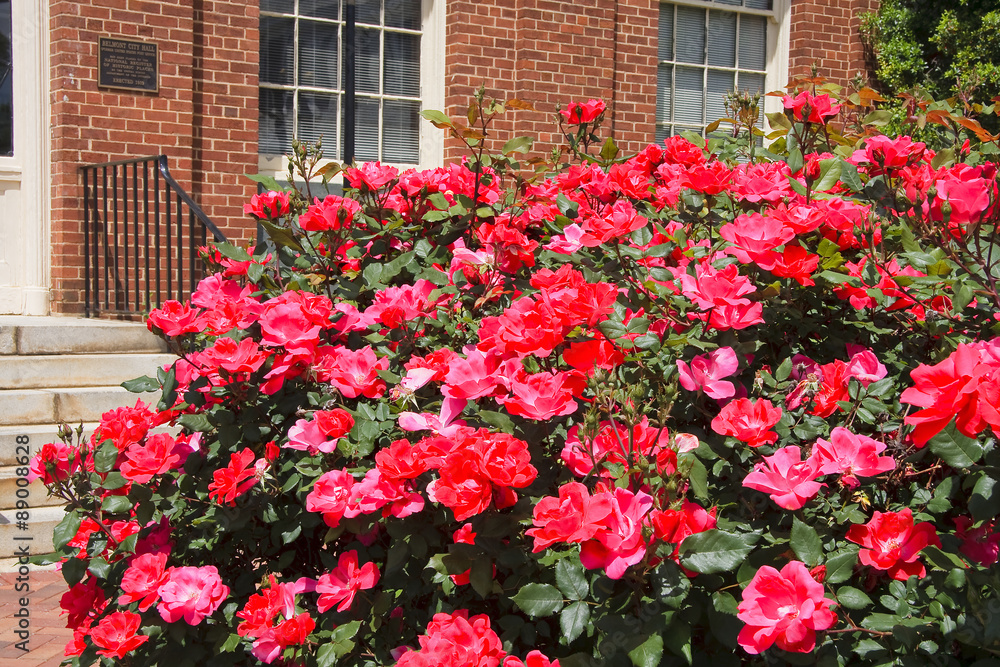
[141,236]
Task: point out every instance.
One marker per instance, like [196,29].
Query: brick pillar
[825,34]
[204,116]
[549,53]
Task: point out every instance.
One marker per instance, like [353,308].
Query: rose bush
[709,402]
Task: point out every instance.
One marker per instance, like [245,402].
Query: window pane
[322,9]
[719,83]
[277,39]
[690,35]
[6,82]
[722,39]
[688,95]
[753,42]
[754,83]
[664,86]
[275,121]
[666,44]
[366,60]
[760,4]
[401,131]
[402,14]
[366,111]
[318,46]
[282,6]
[402,64]
[318,118]
[367,11]
[662,132]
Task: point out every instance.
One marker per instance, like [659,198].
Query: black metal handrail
[130,273]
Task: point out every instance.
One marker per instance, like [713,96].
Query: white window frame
[432,58]
[777,47]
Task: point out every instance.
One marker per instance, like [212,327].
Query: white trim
[778,39]
[10,170]
[775,69]
[432,89]
[432,55]
[30,251]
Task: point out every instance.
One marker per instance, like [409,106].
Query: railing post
[107,248]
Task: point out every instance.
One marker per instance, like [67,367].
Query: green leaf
[268,182]
[778,120]
[345,631]
[538,599]
[716,550]
[105,457]
[198,423]
[73,570]
[839,568]
[437,119]
[518,145]
[573,620]
[956,449]
[99,568]
[853,598]
[571,579]
[806,543]
[481,576]
[829,174]
[648,653]
[116,504]
[985,500]
[850,178]
[66,529]
[782,372]
[282,237]
[169,395]
[878,118]
[609,151]
[233,252]
[612,329]
[698,476]
[962,298]
[141,384]
[113,481]
[866,646]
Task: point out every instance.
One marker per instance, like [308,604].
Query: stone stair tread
[69,335]
[80,370]
[41,522]
[64,404]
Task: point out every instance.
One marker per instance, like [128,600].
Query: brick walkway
[49,633]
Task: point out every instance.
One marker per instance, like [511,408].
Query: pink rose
[784,608]
[191,593]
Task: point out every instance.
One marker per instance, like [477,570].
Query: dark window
[6,82]
[302,73]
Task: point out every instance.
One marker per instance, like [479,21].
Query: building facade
[236,80]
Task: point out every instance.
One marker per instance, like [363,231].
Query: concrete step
[37,494]
[70,335]
[78,370]
[64,404]
[34,436]
[37,537]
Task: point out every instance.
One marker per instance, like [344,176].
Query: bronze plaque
[123,63]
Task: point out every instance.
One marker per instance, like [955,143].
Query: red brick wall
[204,117]
[825,34]
[551,52]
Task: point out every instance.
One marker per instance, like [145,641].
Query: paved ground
[48,632]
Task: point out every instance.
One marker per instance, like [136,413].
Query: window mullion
[295,73]
[381,79]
